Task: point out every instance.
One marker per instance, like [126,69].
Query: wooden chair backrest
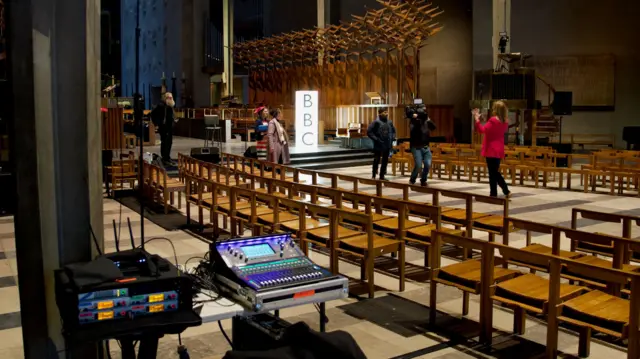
[626,220]
[438,238]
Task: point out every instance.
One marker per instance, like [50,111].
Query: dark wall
[289,15]
[446,61]
[572,27]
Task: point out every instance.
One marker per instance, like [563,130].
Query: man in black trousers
[164,117]
[382,133]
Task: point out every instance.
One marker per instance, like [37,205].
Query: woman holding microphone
[493,144]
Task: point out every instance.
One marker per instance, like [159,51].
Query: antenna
[133,243]
[95,240]
[115,235]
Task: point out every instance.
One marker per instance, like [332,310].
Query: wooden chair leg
[179,200]
[166,202]
[363,269]
[465,303]
[584,343]
[370,274]
[401,260]
[519,320]
[433,300]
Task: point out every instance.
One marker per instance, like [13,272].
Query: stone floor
[378,340]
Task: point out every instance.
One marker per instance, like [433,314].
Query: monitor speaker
[207,154]
[562,103]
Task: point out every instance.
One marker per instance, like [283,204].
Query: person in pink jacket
[493,144]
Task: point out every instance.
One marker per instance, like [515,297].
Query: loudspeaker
[207,154]
[562,103]
[562,148]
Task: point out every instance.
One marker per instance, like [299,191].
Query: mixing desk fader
[271,272]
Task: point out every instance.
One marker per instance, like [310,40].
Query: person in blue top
[382,133]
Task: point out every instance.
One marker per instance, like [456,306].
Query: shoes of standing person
[382,178]
[423,184]
[507,195]
[412,182]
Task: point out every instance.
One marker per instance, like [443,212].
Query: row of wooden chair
[161,188]
[604,299]
[589,282]
[461,217]
[619,173]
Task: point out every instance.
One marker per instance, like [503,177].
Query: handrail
[549,86]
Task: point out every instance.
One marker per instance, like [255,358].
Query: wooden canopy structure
[377,52]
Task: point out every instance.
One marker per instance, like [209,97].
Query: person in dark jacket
[164,117]
[420,130]
[382,133]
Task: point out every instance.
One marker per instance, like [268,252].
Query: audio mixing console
[271,272]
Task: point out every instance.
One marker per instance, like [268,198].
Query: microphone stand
[137,113]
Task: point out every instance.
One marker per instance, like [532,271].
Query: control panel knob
[292,243]
[246,260]
[281,254]
[240,256]
[235,254]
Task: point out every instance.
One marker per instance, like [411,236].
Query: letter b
[307,120]
[307,101]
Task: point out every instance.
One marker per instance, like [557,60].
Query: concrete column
[227,19]
[501,24]
[322,8]
[55,64]
[489,19]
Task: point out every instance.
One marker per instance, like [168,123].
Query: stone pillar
[55,66]
[227,33]
[489,20]
[501,24]
[322,8]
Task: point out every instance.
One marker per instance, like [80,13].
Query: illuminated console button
[173,306]
[123,313]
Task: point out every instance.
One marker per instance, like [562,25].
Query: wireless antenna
[95,241]
[115,235]
[133,243]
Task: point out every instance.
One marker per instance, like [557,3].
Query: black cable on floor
[225,334]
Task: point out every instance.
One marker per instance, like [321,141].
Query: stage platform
[324,157]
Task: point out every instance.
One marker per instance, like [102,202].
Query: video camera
[419,109]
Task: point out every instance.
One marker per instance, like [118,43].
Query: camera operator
[420,128]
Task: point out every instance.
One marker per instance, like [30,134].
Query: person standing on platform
[278,140]
[261,127]
[382,133]
[163,118]
[420,131]
[493,144]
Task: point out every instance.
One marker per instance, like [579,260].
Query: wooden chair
[466,275]
[121,172]
[605,249]
[166,187]
[367,245]
[400,158]
[529,292]
[601,311]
